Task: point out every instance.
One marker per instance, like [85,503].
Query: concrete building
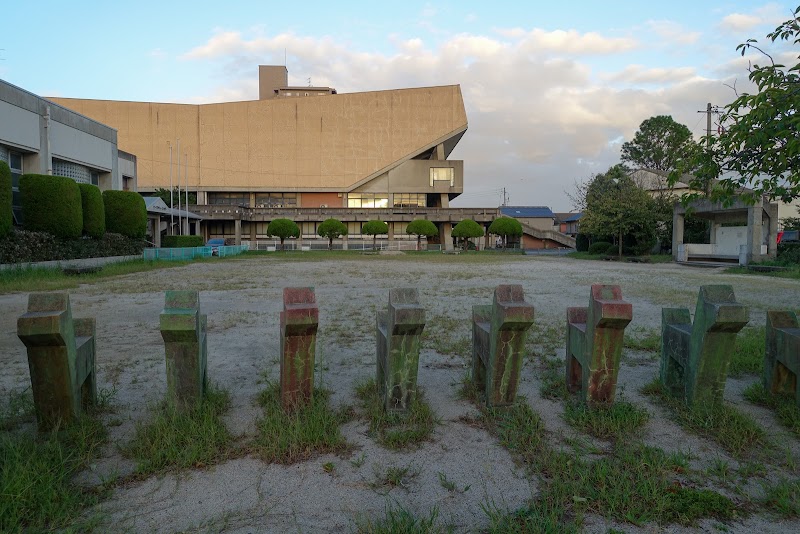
[42,137]
[538,227]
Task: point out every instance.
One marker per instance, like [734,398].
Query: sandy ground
[242,298]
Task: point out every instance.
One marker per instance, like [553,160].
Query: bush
[21,246]
[789,253]
[126,213]
[613,249]
[581,242]
[51,204]
[94,214]
[6,217]
[601,247]
[180,241]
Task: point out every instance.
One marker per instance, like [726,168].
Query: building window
[442,174]
[354,228]
[409,200]
[14,160]
[276,200]
[368,200]
[232,199]
[79,173]
[308,229]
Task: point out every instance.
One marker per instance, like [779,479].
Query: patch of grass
[394,477]
[645,341]
[652,258]
[50,279]
[398,520]
[17,409]
[396,430]
[613,421]
[789,273]
[544,339]
[554,380]
[735,431]
[311,429]
[785,407]
[35,475]
[783,498]
[748,354]
[173,438]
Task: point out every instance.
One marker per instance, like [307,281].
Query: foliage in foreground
[783,405]
[312,429]
[395,430]
[22,246]
[613,421]
[398,520]
[173,438]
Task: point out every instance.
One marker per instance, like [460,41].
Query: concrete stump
[398,333]
[695,356]
[594,344]
[499,331]
[61,357]
[299,323]
[183,329]
[782,355]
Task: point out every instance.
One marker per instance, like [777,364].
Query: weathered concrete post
[695,356]
[594,344]
[61,358]
[299,324]
[498,343]
[183,329]
[782,355]
[398,339]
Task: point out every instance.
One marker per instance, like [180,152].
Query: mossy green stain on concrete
[695,356]
[782,354]
[61,358]
[183,329]
[299,322]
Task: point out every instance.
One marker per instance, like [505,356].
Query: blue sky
[551,88]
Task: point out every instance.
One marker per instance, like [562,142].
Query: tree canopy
[163,194]
[331,229]
[375,228]
[659,144]
[422,227]
[758,146]
[283,228]
[615,205]
[505,227]
[467,229]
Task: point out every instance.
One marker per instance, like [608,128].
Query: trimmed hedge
[180,241]
[94,213]
[600,247]
[51,204]
[126,213]
[23,246]
[581,242]
[6,217]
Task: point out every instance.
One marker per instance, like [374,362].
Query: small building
[568,223]
[537,227]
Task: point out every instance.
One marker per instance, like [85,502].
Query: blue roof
[526,211]
[574,217]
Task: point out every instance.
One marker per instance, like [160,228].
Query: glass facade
[234,199]
[442,174]
[79,173]
[368,200]
[408,200]
[276,200]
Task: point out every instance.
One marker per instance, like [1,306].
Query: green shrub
[21,246]
[180,241]
[6,218]
[601,247]
[582,243]
[613,249]
[126,213]
[94,214]
[51,204]
[789,253]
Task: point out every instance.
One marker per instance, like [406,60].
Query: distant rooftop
[527,212]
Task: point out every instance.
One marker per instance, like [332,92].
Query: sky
[551,89]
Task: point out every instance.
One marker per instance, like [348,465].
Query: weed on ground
[748,354]
[609,421]
[736,432]
[396,430]
[783,498]
[399,520]
[290,437]
[784,406]
[176,439]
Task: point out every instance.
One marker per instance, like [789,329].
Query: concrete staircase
[552,235]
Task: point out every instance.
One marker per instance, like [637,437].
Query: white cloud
[638,74]
[772,14]
[672,32]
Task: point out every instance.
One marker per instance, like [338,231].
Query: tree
[758,146]
[163,194]
[375,228]
[615,204]
[283,228]
[505,227]
[331,229]
[467,229]
[421,227]
[659,144]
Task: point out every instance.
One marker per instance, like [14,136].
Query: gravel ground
[242,298]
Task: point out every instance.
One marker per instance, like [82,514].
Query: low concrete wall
[84,262]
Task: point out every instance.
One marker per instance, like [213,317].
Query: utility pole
[709,111]
[505,198]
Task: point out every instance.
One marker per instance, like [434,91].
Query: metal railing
[189,253]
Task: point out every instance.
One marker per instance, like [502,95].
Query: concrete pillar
[447,238]
[486,238]
[772,240]
[253,234]
[238,231]
[157,231]
[754,224]
[714,228]
[444,200]
[344,242]
[677,233]
[197,227]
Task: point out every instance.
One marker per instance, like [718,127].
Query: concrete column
[344,242]
[677,233]
[238,231]
[754,223]
[444,200]
[197,227]
[486,238]
[252,234]
[156,222]
[447,238]
[390,233]
[714,228]
[772,240]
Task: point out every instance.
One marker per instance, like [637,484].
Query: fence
[359,245]
[189,253]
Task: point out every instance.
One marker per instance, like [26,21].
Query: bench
[183,329]
[299,322]
[61,358]
[695,355]
[498,342]
[782,355]
[594,344]
[398,332]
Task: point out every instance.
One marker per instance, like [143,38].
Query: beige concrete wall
[540,223]
[315,200]
[328,143]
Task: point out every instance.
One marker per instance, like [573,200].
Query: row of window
[307,229]
[289,200]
